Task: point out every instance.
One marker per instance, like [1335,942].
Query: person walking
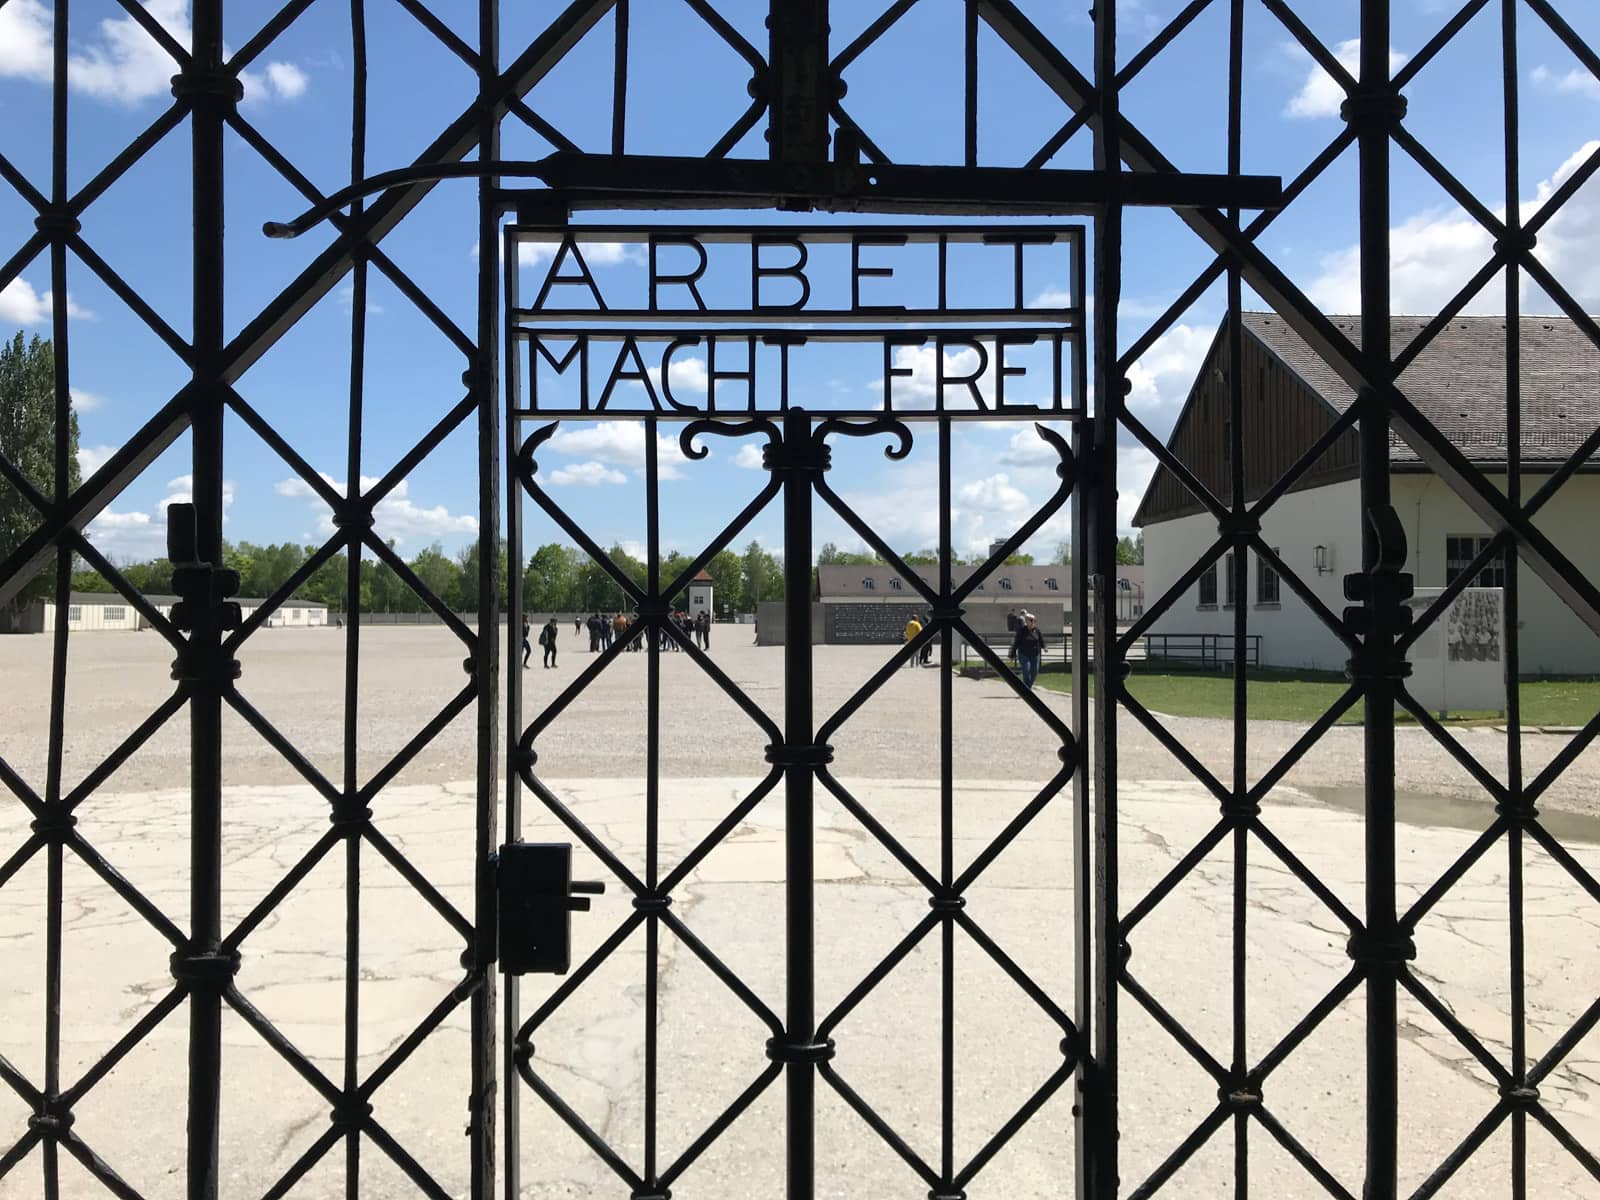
[594,633]
[1013,623]
[577,625]
[927,649]
[705,629]
[527,646]
[1027,647]
[547,639]
[619,627]
[913,630]
[605,631]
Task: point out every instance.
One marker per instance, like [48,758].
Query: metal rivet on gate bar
[799,1052]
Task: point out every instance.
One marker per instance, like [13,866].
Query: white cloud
[1135,467]
[119,61]
[994,495]
[287,80]
[1576,82]
[1029,451]
[585,474]
[749,457]
[346,294]
[112,520]
[1320,95]
[1161,379]
[181,491]
[918,389]
[92,458]
[134,536]
[128,536]
[277,81]
[84,401]
[595,254]
[619,444]
[20,304]
[397,517]
[25,40]
[687,374]
[1433,253]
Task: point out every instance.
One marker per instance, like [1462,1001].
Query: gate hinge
[537,895]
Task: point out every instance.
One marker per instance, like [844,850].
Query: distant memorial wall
[883,623]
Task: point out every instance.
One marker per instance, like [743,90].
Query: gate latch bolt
[537,899]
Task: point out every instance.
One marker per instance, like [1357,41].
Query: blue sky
[687,87]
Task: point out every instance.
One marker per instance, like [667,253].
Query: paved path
[591,1049]
[296,679]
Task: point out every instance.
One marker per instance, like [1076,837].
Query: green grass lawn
[1303,696]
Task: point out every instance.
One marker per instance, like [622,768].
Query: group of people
[606,628]
[1027,643]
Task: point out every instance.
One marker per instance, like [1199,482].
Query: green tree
[550,583]
[727,578]
[436,570]
[763,577]
[153,578]
[1063,555]
[831,556]
[382,589]
[464,597]
[89,581]
[329,583]
[28,443]
[1129,551]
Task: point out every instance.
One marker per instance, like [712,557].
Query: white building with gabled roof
[1292,397]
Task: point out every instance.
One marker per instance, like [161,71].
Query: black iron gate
[819,156]
[796,452]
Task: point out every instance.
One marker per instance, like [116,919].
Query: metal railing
[1208,651]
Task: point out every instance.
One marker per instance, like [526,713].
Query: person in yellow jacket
[913,628]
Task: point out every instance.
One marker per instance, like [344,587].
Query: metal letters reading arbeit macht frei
[1000,308]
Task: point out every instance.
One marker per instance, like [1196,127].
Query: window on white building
[74,612]
[1268,590]
[1052,584]
[869,584]
[896,585]
[1005,585]
[1208,587]
[1459,551]
[1227,579]
[116,613]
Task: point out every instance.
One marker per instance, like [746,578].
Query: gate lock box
[537,899]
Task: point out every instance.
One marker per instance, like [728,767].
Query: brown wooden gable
[1283,418]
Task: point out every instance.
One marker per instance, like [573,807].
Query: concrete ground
[591,1049]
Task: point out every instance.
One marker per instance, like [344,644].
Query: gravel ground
[296,679]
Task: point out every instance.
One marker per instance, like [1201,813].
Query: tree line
[557,578]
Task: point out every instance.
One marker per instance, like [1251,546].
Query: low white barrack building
[105,612]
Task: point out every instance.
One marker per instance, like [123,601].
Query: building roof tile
[1459,381]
